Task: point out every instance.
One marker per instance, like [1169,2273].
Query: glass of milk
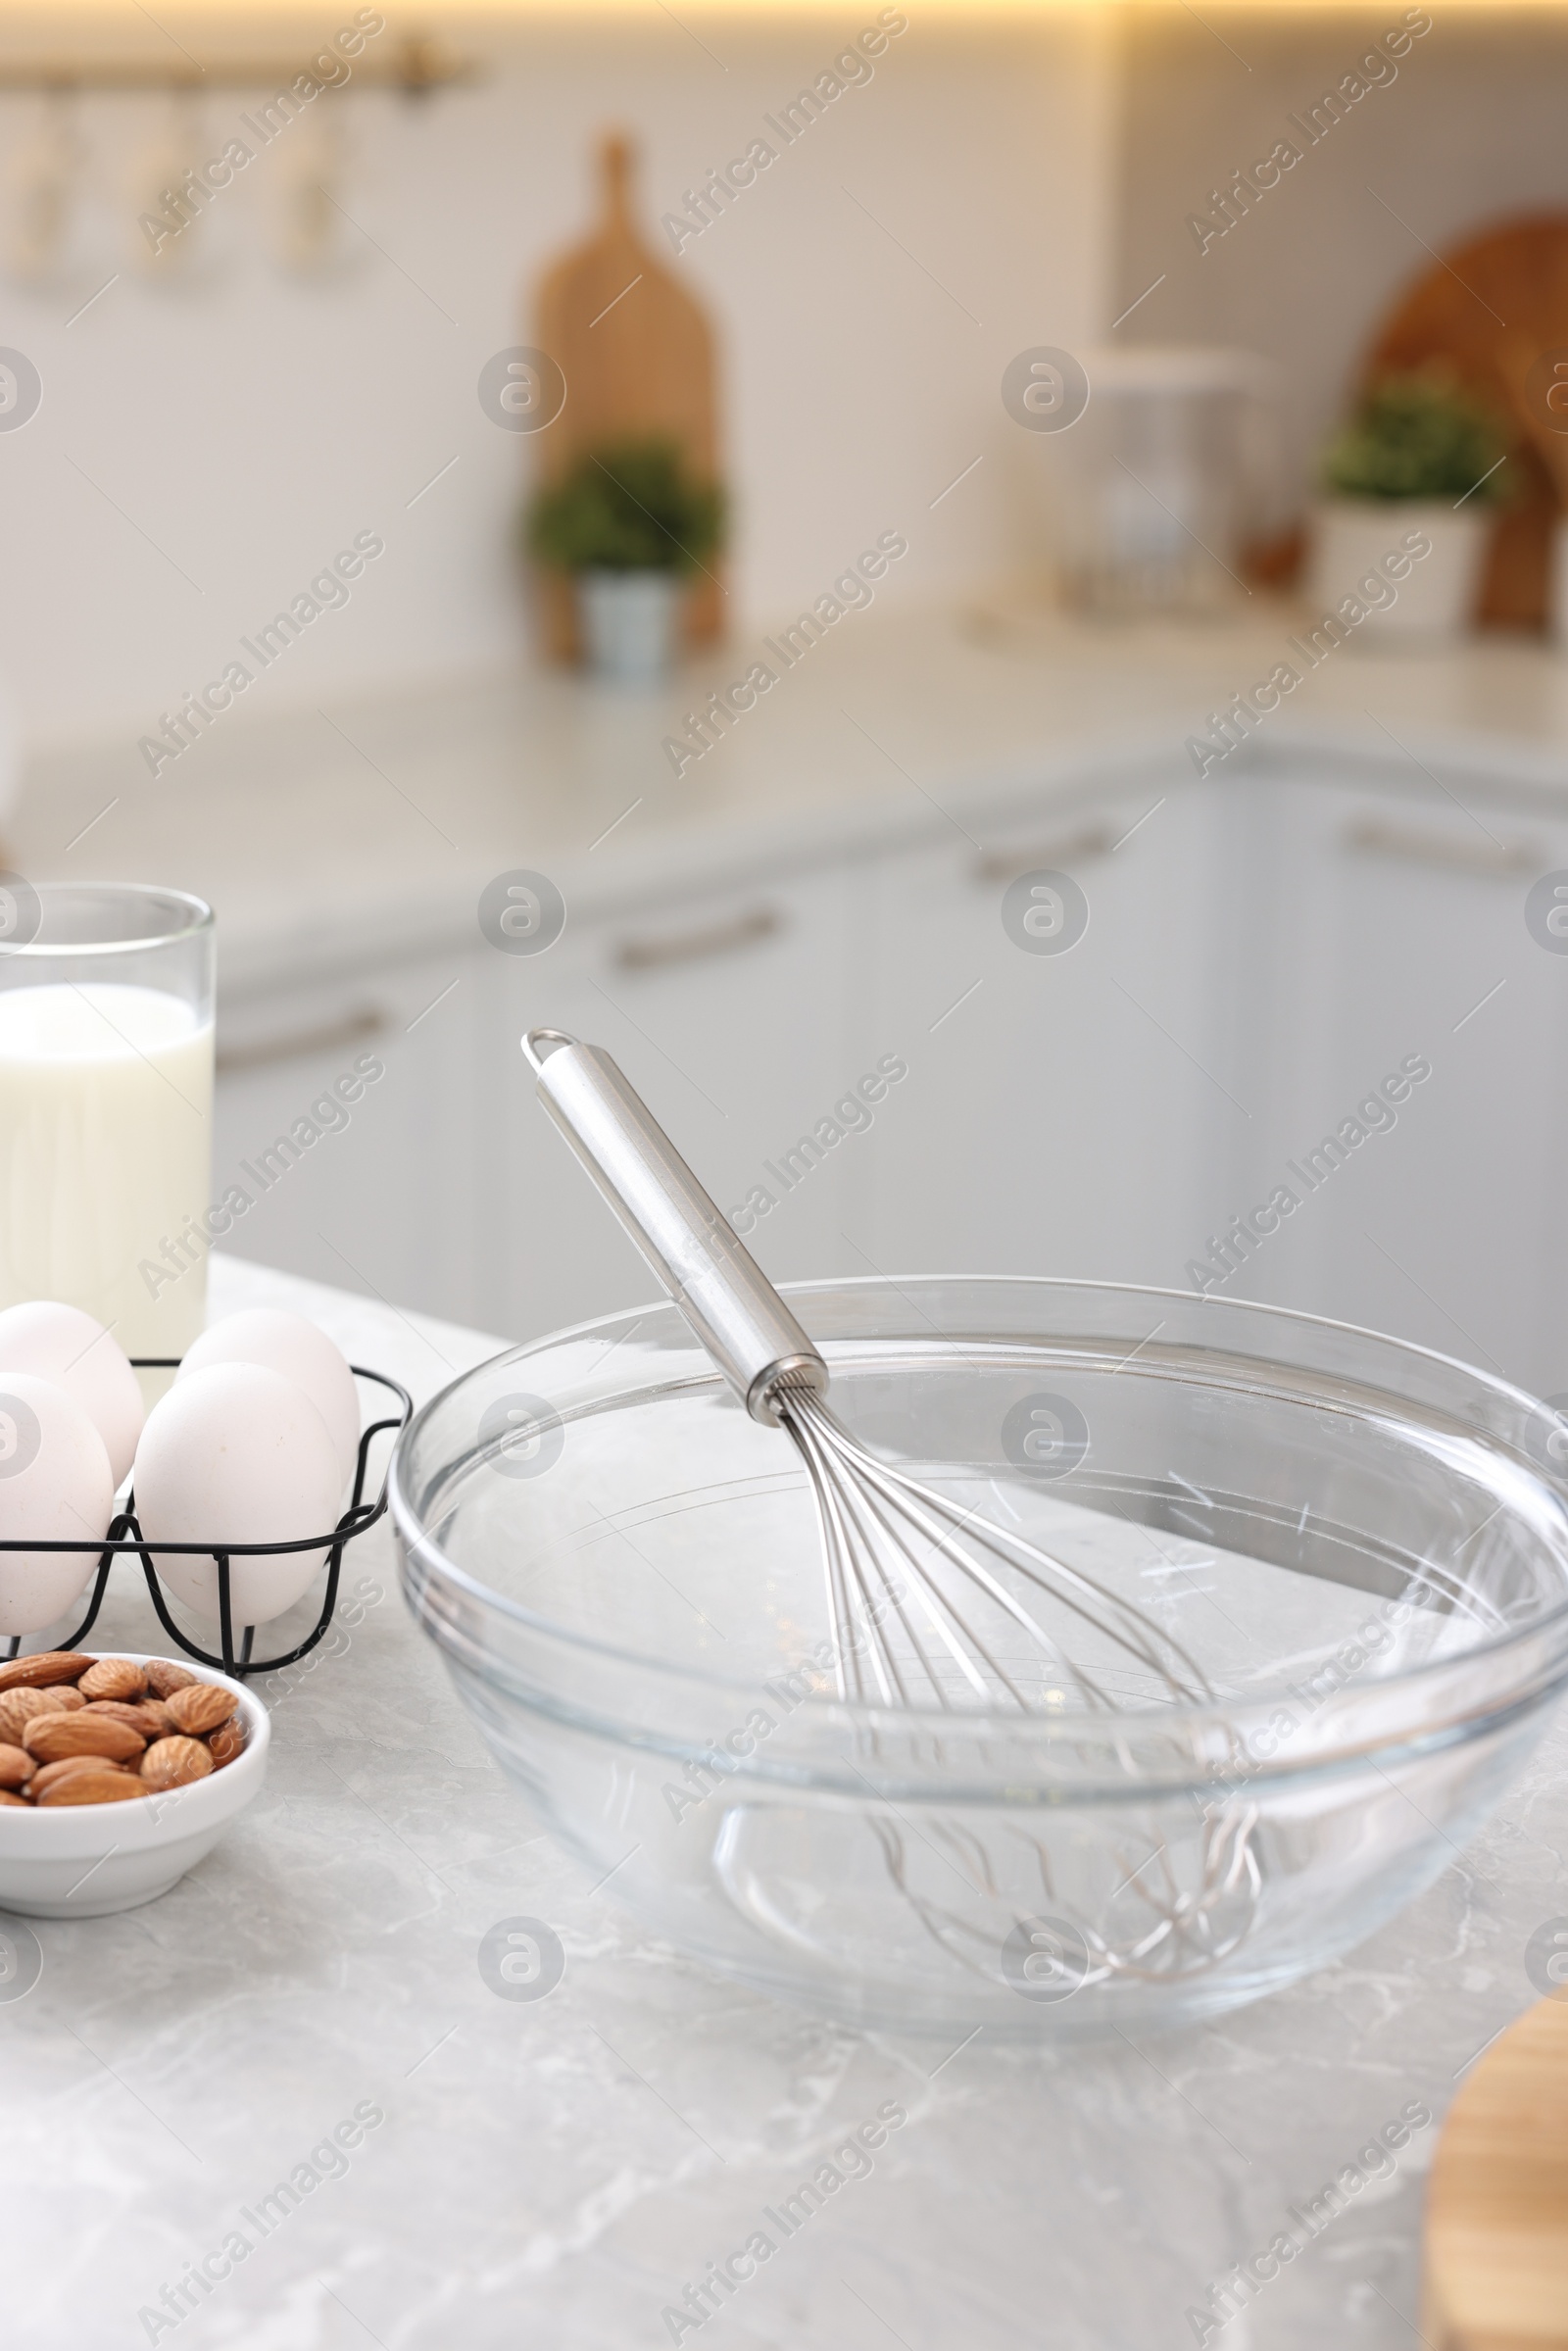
[106,1104]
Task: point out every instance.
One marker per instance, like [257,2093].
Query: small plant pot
[1558,614]
[1351,538]
[628,624]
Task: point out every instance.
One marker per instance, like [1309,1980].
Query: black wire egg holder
[124,1537]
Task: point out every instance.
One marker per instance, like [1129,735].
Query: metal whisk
[876,1521]
[932,1605]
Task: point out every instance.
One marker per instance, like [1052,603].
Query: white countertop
[325,835]
[549,2173]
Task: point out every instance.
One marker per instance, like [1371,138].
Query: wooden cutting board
[1493,307]
[637,354]
[1496,2236]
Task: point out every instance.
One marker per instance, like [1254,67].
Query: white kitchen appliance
[1149,497]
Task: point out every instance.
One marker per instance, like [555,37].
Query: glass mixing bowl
[1360,1541]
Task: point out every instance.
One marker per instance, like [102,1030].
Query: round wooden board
[1492,308]
[1495,2275]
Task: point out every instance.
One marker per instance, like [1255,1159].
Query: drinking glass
[106,1104]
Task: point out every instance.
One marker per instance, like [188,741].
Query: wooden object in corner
[1495,2273]
[1490,308]
[637,354]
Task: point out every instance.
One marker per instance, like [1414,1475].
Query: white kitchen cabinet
[1060,1106]
[1385,925]
[729,1012]
[385,1202]
[1261,951]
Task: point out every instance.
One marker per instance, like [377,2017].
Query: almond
[17,1706]
[172,1762]
[226,1741]
[53,1737]
[164,1675]
[67,1701]
[6,1797]
[52,1771]
[150,1719]
[102,1786]
[201,1707]
[37,1672]
[113,1678]
[16,1766]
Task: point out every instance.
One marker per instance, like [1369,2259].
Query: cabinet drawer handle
[1496,862]
[295,1044]
[694,947]
[1047,856]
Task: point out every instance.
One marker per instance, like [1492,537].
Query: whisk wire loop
[848,1480]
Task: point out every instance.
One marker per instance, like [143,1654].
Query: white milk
[106,1123]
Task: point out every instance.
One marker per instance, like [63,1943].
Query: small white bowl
[81,1861]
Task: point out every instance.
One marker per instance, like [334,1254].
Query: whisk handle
[691,1247]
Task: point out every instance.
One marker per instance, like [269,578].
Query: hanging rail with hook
[417,68]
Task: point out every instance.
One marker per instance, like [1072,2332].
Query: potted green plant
[1421,459]
[631,522]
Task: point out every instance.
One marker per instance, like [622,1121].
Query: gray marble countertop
[554,2171]
[327,835]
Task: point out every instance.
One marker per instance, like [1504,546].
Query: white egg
[55,1486]
[236,1453]
[301,1352]
[63,1344]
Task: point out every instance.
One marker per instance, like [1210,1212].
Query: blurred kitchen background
[876,348]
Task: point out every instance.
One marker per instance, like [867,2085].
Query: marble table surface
[325,837]
[549,2175]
